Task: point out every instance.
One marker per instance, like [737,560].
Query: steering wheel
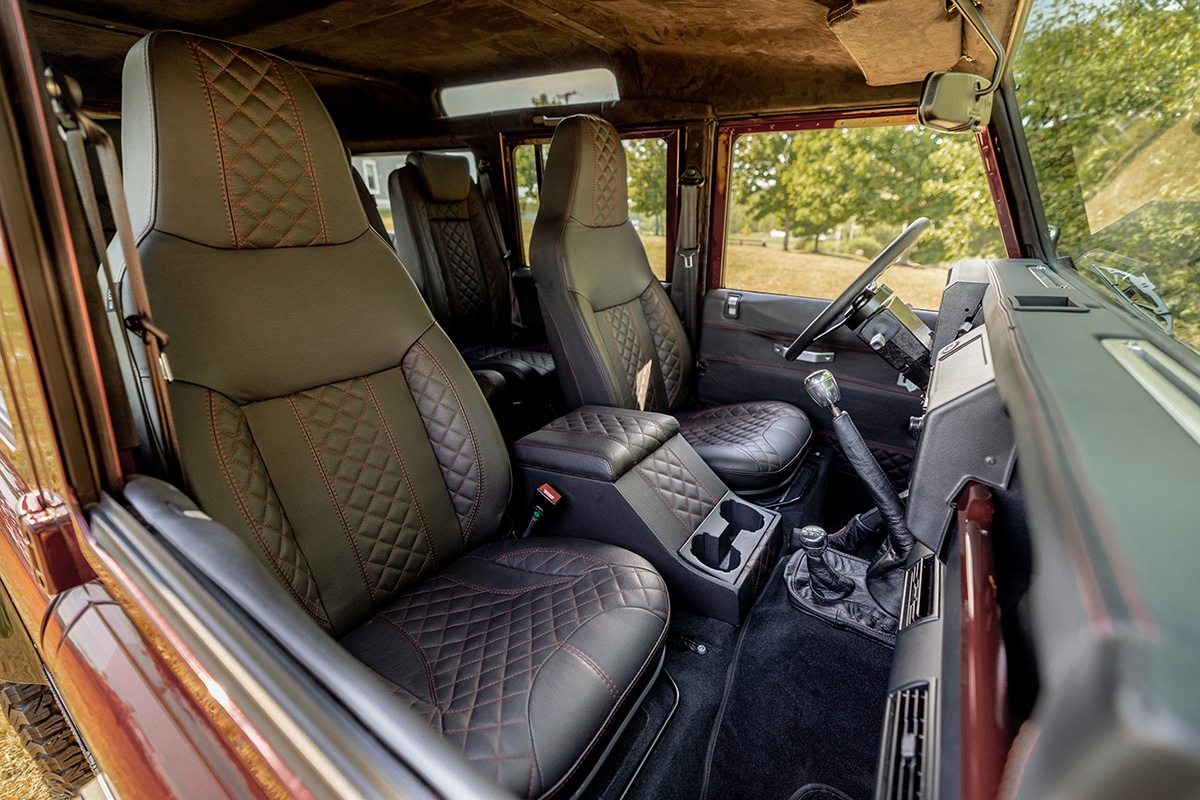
[838,311]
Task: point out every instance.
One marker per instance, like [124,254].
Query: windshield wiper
[1136,290]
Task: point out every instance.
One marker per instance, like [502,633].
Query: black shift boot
[827,584]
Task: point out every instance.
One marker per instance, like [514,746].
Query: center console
[628,478]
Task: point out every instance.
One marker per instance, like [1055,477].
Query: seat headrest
[447,178]
[231,148]
[585,173]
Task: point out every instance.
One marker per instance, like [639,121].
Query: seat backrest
[321,413]
[452,247]
[608,318]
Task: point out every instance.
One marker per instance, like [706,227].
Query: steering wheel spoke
[839,310]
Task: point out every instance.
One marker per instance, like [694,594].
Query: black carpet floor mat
[804,704]
[819,791]
[699,653]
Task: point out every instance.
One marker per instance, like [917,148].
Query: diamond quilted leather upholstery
[446,240]
[614,332]
[596,442]
[748,444]
[360,462]
[481,649]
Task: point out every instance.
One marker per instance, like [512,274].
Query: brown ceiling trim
[267,30]
[629,71]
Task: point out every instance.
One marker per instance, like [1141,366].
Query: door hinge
[52,540]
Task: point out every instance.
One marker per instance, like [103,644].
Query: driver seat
[614,333]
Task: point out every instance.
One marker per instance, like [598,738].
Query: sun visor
[898,41]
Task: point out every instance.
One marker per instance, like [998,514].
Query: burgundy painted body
[986,732]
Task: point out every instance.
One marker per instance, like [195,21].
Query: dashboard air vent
[922,592]
[906,767]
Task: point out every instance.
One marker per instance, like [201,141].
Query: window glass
[370,173]
[528,160]
[808,209]
[1109,95]
[647,181]
[646,159]
[563,88]
[375,169]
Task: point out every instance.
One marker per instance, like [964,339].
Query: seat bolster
[464,435]
[585,369]
[603,682]
[405,241]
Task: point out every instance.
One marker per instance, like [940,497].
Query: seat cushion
[753,447]
[537,358]
[525,654]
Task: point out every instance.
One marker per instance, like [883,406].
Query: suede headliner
[379,63]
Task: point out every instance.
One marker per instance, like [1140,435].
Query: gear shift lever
[885,577]
[823,389]
[827,583]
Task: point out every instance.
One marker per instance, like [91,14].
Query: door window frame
[676,140]
[728,132]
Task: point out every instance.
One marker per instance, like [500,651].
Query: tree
[543,100]
[823,181]
[1107,95]
[525,169]
[759,161]
[647,181]
[960,204]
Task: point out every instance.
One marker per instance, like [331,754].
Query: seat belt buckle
[545,502]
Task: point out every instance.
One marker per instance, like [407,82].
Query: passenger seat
[324,418]
[445,240]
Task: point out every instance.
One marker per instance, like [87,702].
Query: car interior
[509,498]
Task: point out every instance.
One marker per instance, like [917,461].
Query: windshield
[1109,92]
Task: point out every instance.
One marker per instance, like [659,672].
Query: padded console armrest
[595,442]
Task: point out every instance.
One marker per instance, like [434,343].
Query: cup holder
[741,516]
[716,551]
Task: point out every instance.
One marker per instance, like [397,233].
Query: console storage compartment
[628,478]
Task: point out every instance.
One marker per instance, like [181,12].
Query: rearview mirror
[957,102]
[954,102]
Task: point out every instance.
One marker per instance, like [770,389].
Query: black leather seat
[444,238]
[327,420]
[613,331]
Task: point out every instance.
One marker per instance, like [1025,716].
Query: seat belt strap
[685,281]
[493,216]
[81,133]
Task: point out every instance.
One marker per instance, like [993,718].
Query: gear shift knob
[826,584]
[811,537]
[823,389]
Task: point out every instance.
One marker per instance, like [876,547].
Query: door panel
[740,364]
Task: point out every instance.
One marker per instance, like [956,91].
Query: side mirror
[957,102]
[954,102]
